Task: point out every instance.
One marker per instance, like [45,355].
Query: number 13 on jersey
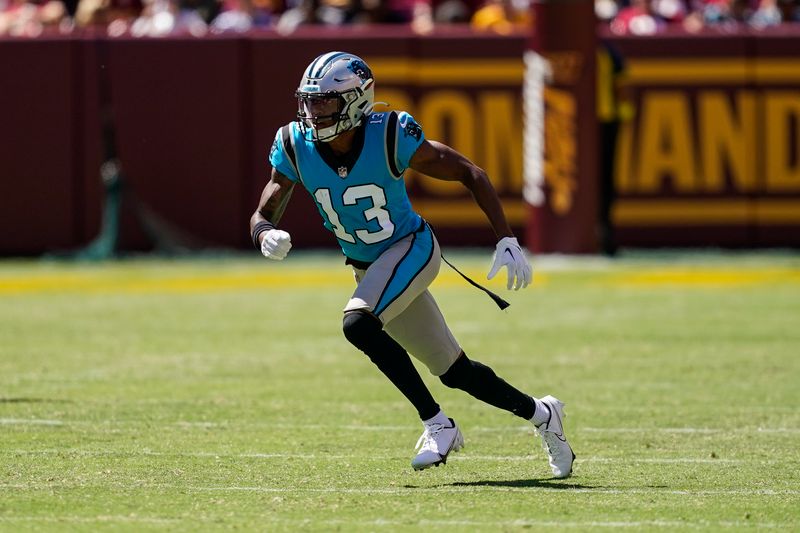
[351,196]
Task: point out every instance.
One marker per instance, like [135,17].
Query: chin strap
[371,108]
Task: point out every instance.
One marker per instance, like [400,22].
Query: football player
[351,160]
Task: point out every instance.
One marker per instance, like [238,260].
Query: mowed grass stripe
[547,486]
[385,522]
[380,428]
[462,456]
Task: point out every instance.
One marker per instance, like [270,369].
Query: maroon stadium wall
[194,120]
[711,157]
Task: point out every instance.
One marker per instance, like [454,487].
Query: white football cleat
[436,443]
[554,441]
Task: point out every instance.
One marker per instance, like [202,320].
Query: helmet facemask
[324,115]
[335,94]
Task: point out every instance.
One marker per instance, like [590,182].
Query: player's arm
[274,243]
[273,201]
[439,161]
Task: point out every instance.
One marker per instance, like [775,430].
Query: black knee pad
[361,328]
[459,374]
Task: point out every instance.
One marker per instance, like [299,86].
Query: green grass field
[221,394]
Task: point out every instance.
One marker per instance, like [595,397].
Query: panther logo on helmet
[360,69]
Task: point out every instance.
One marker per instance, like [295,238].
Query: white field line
[30,422]
[703,524]
[709,431]
[356,427]
[463,456]
[565,489]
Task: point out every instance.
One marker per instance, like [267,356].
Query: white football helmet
[336,91]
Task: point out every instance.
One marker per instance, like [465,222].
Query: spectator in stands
[407,12]
[169,17]
[420,14]
[638,19]
[157,18]
[766,15]
[52,13]
[724,14]
[370,12]
[243,15]
[503,16]
[671,11]
[606,10]
[31,18]
[325,12]
[193,16]
[206,9]
[718,13]
[742,10]
[416,13]
[16,18]
[453,11]
[239,16]
[115,15]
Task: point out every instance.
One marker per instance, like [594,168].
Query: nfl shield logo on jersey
[342,172]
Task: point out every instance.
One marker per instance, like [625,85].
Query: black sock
[481,382]
[365,332]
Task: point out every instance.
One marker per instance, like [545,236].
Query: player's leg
[546,414]
[480,381]
[423,331]
[421,328]
[386,289]
[365,331]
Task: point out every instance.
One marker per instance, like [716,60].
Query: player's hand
[275,244]
[509,254]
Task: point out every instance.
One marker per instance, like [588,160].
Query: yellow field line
[707,278]
[302,278]
[321,278]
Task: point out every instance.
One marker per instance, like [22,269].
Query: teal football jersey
[362,197]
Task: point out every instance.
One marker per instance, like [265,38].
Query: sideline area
[323,269]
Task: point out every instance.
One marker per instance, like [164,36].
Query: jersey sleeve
[409,137]
[280,158]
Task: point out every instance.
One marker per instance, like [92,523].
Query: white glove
[275,244]
[509,254]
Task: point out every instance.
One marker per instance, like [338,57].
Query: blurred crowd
[199,17]
[648,17]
